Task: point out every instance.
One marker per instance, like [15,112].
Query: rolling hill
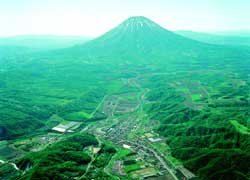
[43,42]
[223,39]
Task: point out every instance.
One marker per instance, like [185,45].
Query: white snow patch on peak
[137,23]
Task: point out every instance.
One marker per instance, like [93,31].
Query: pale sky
[94,17]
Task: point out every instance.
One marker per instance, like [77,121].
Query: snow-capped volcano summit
[138,36]
[137,22]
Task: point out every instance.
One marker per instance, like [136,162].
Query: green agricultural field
[78,115]
[133,167]
[182,90]
[196,97]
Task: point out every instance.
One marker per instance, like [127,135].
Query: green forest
[139,102]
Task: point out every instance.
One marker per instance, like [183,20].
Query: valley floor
[141,152]
[152,126]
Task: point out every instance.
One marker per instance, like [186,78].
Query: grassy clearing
[2,143]
[162,147]
[196,97]
[133,167]
[143,172]
[129,98]
[81,115]
[239,97]
[115,86]
[173,160]
[122,153]
[182,90]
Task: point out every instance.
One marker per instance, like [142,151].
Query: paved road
[157,156]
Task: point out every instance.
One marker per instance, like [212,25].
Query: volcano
[141,37]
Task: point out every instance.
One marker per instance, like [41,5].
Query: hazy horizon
[93,18]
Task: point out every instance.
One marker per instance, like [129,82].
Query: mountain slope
[140,40]
[139,36]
